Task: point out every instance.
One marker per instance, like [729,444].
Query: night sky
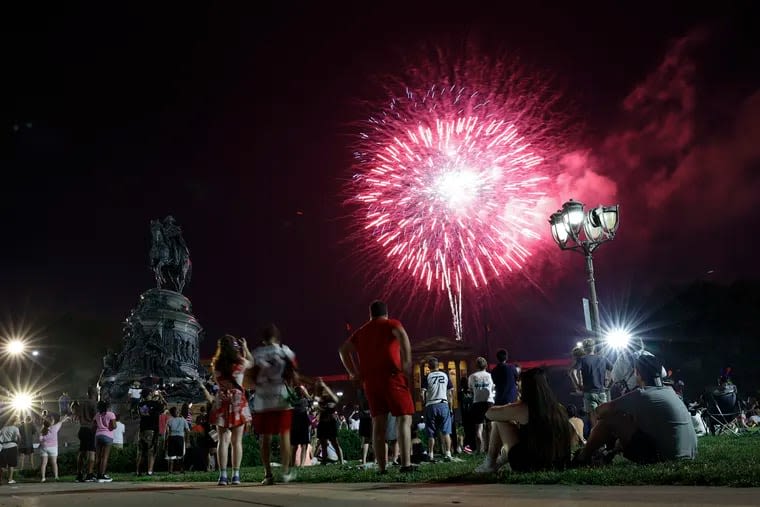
[240,125]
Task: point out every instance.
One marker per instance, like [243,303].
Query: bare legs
[266,453]
[503,436]
[336,446]
[222,448]
[304,452]
[379,424]
[285,451]
[404,435]
[365,450]
[617,425]
[103,451]
[479,438]
[237,446]
[445,445]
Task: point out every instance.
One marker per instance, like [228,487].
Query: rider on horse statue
[169,255]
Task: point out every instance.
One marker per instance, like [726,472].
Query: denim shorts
[103,440]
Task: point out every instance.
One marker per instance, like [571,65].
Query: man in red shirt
[383,368]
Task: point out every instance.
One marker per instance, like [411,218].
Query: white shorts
[49,451]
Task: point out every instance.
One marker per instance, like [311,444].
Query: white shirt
[135,393]
[271,393]
[436,385]
[481,385]
[118,433]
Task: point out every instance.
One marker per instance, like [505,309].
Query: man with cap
[651,423]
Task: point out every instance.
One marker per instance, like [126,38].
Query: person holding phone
[230,411]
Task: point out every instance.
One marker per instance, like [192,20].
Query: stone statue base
[160,350]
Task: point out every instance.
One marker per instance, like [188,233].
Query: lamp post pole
[584,231]
[595,320]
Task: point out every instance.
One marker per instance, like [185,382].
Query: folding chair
[723,411]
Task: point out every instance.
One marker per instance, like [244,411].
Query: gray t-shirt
[662,415]
[177,426]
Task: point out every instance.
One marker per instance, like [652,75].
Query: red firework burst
[448,183]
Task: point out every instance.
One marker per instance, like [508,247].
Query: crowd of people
[509,416]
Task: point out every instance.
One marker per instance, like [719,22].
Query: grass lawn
[723,461]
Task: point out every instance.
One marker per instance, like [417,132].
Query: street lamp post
[584,231]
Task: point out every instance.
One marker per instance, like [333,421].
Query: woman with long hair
[327,429]
[274,369]
[534,432]
[49,444]
[230,412]
[105,423]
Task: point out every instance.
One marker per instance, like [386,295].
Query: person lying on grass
[534,432]
[649,425]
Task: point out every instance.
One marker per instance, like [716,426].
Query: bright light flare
[618,338]
[21,402]
[457,188]
[15,347]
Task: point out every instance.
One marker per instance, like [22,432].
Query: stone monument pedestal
[160,349]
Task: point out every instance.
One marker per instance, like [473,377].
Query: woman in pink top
[105,423]
[49,444]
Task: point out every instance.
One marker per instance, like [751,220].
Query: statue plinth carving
[161,337]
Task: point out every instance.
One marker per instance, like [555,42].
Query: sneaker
[289,477]
[466,449]
[487,467]
[447,459]
[43,480]
[268,481]
[223,481]
[502,460]
[11,481]
[409,469]
[150,473]
[235,480]
[104,478]
[90,478]
[80,478]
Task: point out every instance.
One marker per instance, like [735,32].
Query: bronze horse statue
[169,255]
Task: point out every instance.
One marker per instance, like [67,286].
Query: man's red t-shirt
[378,349]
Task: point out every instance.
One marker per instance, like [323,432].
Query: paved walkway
[367,495]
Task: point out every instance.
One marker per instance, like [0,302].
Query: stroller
[723,411]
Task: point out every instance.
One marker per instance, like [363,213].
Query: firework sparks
[447,185]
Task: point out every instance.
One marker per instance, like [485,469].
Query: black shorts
[175,447]
[300,427]
[642,449]
[9,457]
[26,451]
[86,439]
[327,430]
[478,412]
[365,427]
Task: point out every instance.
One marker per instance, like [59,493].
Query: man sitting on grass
[651,424]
